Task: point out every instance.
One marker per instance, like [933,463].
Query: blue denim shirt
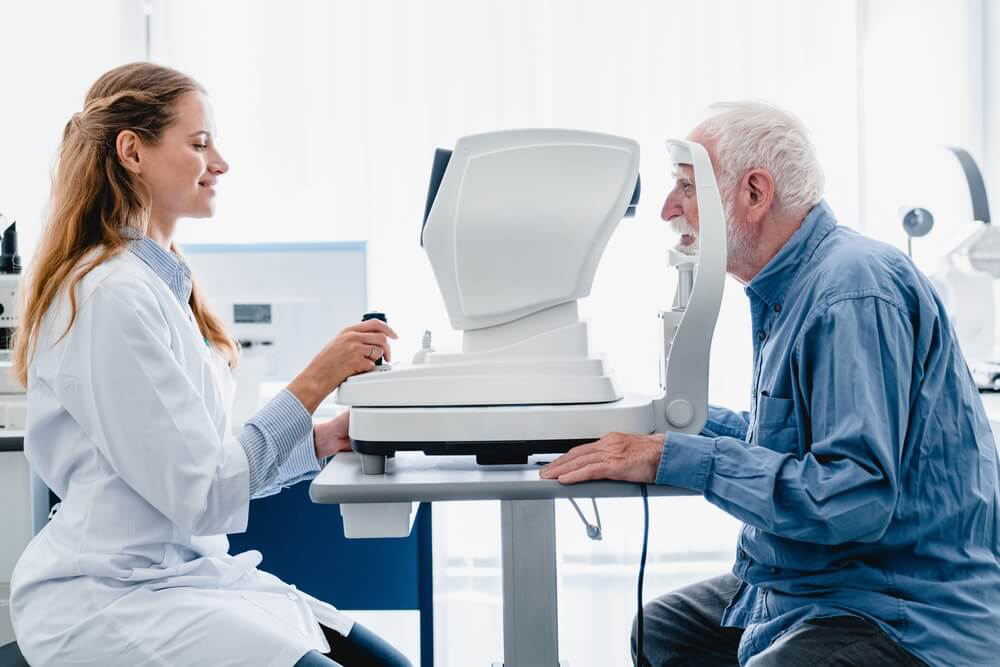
[865,471]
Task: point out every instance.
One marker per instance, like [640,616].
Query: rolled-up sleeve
[852,366]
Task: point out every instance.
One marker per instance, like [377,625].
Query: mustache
[680,225]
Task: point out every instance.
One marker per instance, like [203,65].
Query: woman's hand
[354,350]
[331,437]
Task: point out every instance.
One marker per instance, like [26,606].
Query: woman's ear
[127,146]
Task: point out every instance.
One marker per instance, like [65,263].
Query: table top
[413,476]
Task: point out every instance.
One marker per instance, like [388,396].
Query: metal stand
[530,614]
[527,528]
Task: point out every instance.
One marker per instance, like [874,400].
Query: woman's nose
[219,166]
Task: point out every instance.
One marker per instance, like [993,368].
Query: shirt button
[291,595]
[761,335]
[777,308]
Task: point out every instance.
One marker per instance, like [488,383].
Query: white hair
[756,135]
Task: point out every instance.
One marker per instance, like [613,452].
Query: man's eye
[201,147]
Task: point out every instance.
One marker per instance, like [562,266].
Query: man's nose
[671,209]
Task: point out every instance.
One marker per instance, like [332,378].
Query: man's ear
[760,194]
[128,146]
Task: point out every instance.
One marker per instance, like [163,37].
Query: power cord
[593,532]
[640,659]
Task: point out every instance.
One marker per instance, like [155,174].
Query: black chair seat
[10,656]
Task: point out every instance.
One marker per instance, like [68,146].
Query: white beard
[739,239]
[680,225]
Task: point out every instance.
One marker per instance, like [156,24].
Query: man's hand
[331,437]
[622,456]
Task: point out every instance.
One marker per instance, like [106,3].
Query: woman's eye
[201,147]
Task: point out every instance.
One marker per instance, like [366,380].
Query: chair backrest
[10,656]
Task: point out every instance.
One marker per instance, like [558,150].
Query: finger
[378,340]
[363,363]
[567,461]
[373,325]
[599,470]
[579,450]
[365,351]
[577,463]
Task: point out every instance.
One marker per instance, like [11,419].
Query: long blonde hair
[94,199]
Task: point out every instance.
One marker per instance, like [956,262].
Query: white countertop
[413,476]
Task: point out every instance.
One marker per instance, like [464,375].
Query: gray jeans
[683,628]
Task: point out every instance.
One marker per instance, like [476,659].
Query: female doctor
[129,390]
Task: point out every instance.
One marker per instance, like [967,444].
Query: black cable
[639,658]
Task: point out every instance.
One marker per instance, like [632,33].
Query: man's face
[681,210]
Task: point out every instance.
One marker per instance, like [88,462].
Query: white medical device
[515,225]
[965,282]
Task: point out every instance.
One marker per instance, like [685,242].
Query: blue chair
[10,656]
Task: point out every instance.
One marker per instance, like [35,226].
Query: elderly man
[865,472]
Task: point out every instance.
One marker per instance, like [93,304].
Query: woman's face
[182,169]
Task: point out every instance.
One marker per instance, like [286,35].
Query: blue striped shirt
[278,440]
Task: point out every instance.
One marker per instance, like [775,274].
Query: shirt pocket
[776,425]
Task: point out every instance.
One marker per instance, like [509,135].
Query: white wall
[50,53]
[924,87]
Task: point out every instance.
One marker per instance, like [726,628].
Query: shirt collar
[772,282]
[165,264]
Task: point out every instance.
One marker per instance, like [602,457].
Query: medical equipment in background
[965,280]
[22,511]
[11,393]
[917,222]
[514,227]
[283,302]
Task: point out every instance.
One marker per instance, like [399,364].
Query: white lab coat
[128,422]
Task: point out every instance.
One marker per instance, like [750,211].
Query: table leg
[530,615]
